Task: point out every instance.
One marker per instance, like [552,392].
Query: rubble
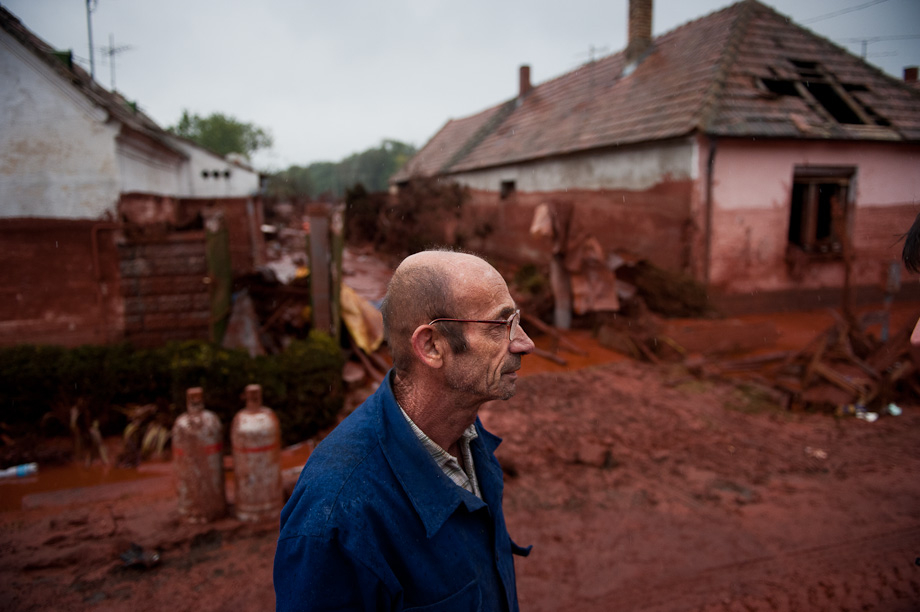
[843,369]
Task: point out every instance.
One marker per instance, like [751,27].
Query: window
[507,189]
[819,210]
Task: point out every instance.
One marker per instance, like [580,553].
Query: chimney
[524,80]
[640,29]
[910,75]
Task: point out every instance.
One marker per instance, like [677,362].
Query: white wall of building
[57,154]
[148,169]
[633,168]
[207,175]
[61,156]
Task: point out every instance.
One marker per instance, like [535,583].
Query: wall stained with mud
[654,223]
[59,282]
[662,211]
[751,207]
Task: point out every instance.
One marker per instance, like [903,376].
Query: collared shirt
[465,475]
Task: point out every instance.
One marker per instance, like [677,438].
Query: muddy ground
[641,488]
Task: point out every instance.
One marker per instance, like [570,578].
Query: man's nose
[522,344]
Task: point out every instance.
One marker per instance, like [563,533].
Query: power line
[880,38]
[865,40]
[841,12]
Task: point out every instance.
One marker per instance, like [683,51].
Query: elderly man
[400,507]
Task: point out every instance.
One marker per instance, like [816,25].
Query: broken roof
[744,71]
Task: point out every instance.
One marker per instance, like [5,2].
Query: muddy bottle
[197,440]
[256,440]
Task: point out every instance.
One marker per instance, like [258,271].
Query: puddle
[51,482]
[60,485]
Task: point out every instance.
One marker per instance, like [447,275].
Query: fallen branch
[552,331]
[550,356]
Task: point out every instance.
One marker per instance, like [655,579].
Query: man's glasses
[513,323]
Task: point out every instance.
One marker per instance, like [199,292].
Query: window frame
[807,234]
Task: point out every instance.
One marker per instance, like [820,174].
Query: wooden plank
[549,356]
[552,331]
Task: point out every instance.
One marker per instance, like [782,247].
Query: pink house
[740,148]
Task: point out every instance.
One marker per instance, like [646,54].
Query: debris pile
[843,369]
[274,306]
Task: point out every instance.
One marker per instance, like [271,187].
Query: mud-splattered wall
[59,282]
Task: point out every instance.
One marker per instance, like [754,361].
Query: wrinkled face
[487,371]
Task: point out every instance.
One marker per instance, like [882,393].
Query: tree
[222,134]
[294,183]
[371,169]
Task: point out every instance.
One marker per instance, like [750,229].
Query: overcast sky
[329,78]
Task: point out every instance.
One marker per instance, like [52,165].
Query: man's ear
[427,346]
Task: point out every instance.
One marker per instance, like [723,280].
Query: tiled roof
[116,105]
[730,73]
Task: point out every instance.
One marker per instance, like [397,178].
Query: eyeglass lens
[515,326]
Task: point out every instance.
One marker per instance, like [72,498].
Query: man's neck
[439,415]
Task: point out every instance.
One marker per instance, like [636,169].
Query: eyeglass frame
[509,322]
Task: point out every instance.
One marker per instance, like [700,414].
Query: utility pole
[112,51]
[90,7]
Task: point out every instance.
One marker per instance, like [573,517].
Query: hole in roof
[780,87]
[828,97]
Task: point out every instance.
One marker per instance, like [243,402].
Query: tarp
[363,320]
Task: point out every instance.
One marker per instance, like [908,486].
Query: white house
[101,210]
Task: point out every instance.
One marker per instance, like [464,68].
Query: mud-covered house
[740,148]
[110,227]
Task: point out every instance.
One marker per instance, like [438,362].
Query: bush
[39,385]
[28,385]
[417,218]
[671,294]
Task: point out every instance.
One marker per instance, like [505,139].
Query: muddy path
[640,487]
[658,492]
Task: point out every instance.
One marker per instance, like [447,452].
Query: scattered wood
[554,332]
[843,368]
[549,356]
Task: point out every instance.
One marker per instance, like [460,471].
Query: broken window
[819,210]
[829,97]
[507,188]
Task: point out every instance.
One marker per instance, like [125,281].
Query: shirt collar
[433,495]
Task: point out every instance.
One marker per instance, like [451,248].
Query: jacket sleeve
[316,573]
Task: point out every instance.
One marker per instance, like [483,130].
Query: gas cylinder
[256,439]
[197,442]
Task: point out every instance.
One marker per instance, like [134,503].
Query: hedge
[40,384]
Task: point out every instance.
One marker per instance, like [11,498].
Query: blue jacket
[374,524]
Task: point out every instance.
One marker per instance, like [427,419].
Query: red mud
[640,487]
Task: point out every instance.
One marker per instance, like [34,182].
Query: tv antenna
[112,51]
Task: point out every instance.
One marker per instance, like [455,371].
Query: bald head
[426,286]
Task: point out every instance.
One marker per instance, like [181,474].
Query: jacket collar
[433,495]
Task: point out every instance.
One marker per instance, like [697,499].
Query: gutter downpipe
[710,165]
